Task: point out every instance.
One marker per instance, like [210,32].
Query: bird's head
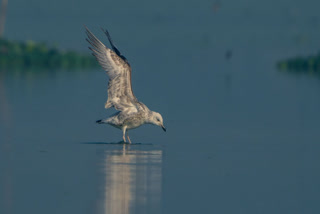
[156,119]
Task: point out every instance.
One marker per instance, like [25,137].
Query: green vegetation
[31,54]
[301,64]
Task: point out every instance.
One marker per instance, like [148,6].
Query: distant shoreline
[27,54]
[301,64]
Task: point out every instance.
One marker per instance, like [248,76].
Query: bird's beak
[164,128]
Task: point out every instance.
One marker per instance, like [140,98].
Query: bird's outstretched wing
[120,95]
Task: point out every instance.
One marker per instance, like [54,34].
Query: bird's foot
[122,142]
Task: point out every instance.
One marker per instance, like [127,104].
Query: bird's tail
[100,121]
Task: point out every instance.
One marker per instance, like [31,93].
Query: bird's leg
[124,134]
[128,138]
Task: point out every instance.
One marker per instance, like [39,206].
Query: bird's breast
[135,122]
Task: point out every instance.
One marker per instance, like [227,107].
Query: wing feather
[120,95]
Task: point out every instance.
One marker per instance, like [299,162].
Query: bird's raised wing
[120,95]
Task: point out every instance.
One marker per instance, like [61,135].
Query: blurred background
[242,136]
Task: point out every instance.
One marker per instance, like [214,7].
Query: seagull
[131,113]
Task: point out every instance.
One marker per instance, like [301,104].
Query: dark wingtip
[98,121]
[114,48]
[105,31]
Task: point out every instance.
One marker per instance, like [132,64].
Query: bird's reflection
[132,180]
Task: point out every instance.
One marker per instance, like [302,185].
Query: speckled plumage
[131,113]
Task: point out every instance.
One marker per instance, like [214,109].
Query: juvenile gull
[131,113]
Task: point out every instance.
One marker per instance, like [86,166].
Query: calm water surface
[241,136]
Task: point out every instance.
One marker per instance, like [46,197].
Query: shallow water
[241,136]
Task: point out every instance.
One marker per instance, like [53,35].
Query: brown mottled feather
[120,95]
